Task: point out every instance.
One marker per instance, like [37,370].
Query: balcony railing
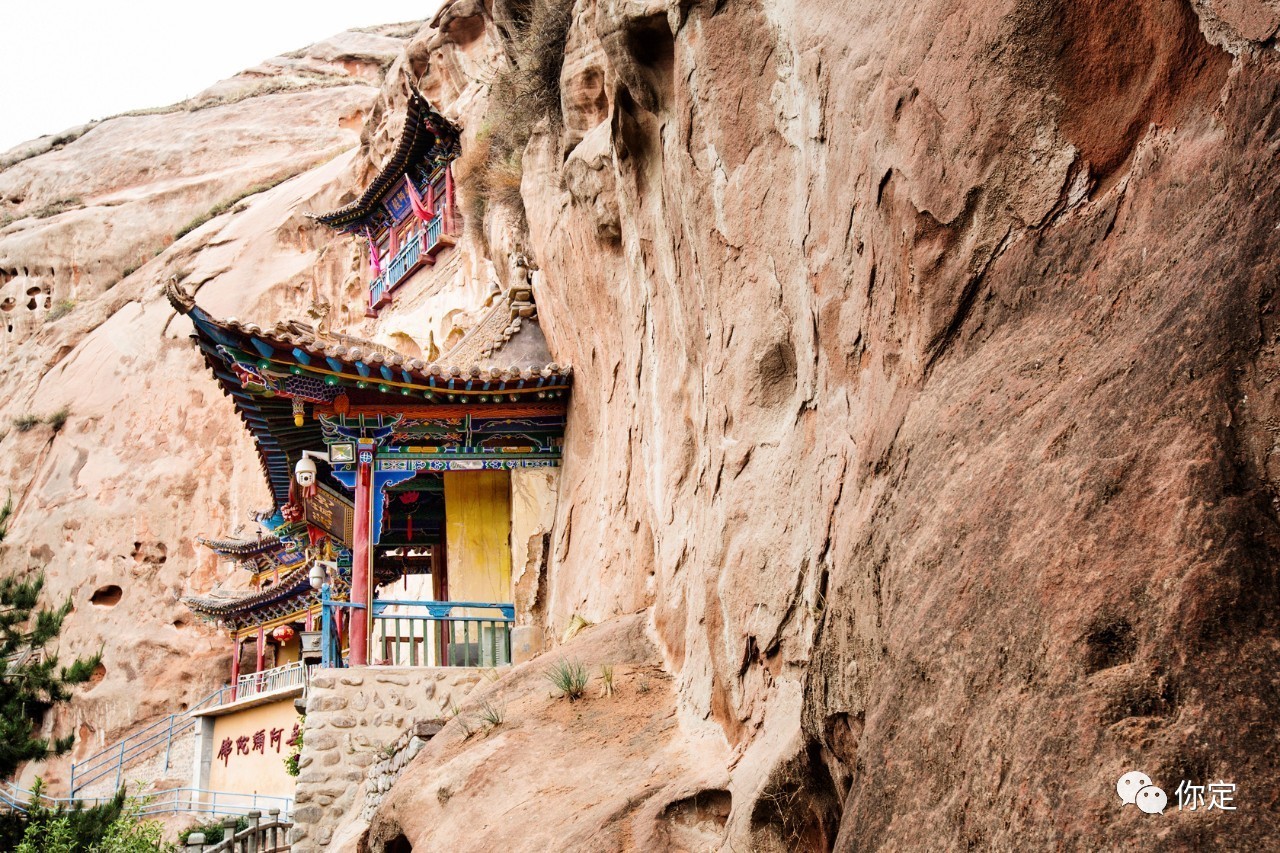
[409,258]
[168,801]
[270,680]
[441,633]
[431,633]
[434,229]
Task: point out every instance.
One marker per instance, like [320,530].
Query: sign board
[397,204]
[333,514]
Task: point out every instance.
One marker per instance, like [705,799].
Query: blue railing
[330,639]
[434,229]
[429,633]
[168,801]
[116,757]
[441,633]
[405,262]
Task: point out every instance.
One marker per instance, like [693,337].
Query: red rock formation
[924,357]
[923,408]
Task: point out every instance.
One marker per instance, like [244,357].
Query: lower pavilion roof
[291,586]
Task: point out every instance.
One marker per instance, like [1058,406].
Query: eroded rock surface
[923,357]
[923,412]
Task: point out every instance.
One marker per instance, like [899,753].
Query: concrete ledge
[251,702]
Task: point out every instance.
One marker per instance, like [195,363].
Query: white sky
[69,61]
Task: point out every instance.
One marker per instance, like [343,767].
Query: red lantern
[283,634]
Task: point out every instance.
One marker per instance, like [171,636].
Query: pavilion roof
[503,360]
[424,130]
[225,603]
[242,547]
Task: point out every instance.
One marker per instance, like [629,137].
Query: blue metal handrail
[448,634]
[433,231]
[113,759]
[398,268]
[168,801]
[442,609]
[330,647]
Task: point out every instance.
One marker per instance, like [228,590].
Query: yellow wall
[477,506]
[257,772]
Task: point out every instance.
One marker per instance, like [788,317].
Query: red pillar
[235,666]
[262,647]
[361,589]
[448,199]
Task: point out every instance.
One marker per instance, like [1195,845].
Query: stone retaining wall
[359,723]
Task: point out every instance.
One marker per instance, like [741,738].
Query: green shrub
[60,829]
[58,419]
[493,715]
[55,207]
[60,310]
[5,512]
[213,830]
[295,751]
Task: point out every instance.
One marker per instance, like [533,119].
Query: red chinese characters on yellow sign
[247,744]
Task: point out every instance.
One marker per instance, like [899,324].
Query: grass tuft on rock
[60,310]
[606,680]
[493,715]
[26,423]
[570,678]
[58,419]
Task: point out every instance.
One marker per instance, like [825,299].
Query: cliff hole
[653,47]
[697,822]
[776,374]
[99,673]
[1110,645]
[399,844]
[106,596]
[153,553]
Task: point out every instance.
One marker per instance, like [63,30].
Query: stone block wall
[358,721]
[395,758]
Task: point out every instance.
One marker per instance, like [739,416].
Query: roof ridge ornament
[181,299]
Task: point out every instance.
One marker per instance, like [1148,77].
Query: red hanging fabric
[423,212]
[374,263]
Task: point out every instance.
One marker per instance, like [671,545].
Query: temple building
[402,470]
[408,213]
[402,490]
[405,492]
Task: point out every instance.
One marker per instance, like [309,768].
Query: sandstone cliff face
[924,360]
[150,455]
[923,411]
